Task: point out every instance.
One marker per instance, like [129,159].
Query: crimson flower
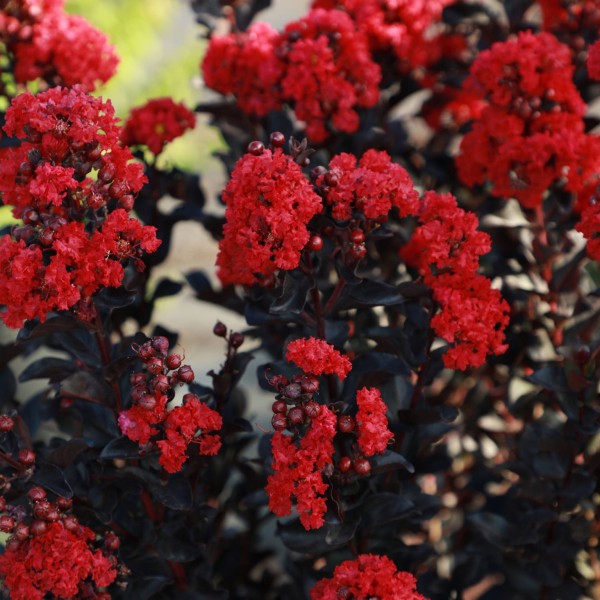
[328,72]
[46,43]
[411,29]
[157,122]
[57,561]
[76,231]
[446,248]
[368,576]
[371,421]
[373,186]
[247,66]
[298,471]
[317,357]
[269,204]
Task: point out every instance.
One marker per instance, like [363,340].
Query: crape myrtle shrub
[410,229]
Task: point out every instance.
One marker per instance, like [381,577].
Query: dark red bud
[309,385]
[161,383]
[127,202]
[345,464]
[357,236]
[315,243]
[277,139]
[38,527]
[312,410]
[160,344]
[185,374]
[220,329]
[279,406]
[296,415]
[64,503]
[362,466]
[173,361]
[256,148]
[21,531]
[6,524]
[345,423]
[147,402]
[293,391]
[6,423]
[279,422]
[155,366]
[236,339]
[26,457]
[36,494]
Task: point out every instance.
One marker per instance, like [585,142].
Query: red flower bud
[362,466]
[38,527]
[345,423]
[279,406]
[185,374]
[345,464]
[6,423]
[26,457]
[256,148]
[6,524]
[173,361]
[220,329]
[279,422]
[36,494]
[296,415]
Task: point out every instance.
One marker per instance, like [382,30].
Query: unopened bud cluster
[294,404]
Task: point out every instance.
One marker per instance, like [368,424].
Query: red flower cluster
[446,248]
[531,135]
[298,471]
[247,66]
[69,245]
[368,576]
[373,186]
[411,29]
[269,204]
[328,72]
[320,65]
[53,554]
[148,421]
[46,43]
[317,357]
[157,122]
[371,422]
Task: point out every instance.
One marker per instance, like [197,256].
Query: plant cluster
[410,227]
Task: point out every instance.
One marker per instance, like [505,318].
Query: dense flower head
[157,122]
[371,422]
[65,134]
[247,66]
[317,357]
[153,424]
[56,561]
[531,136]
[368,576]
[328,72]
[46,43]
[524,68]
[472,319]
[269,204]
[446,248]
[410,29]
[373,186]
[74,240]
[298,470]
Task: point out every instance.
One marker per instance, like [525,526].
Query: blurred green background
[160,46]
